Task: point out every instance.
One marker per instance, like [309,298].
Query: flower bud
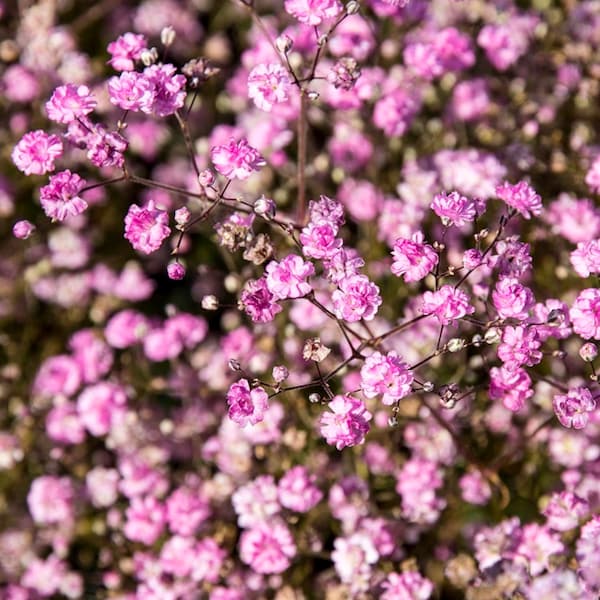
[315,350]
[167,36]
[492,335]
[352,7]
[314,398]
[428,386]
[265,207]
[280,373]
[284,43]
[182,216]
[455,344]
[149,56]
[206,178]
[588,352]
[210,302]
[176,271]
[234,364]
[23,229]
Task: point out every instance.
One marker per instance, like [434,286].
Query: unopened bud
[206,178]
[588,352]
[455,344]
[352,7]
[428,386]
[176,271]
[492,336]
[265,207]
[149,56]
[312,95]
[210,303]
[167,36]
[280,373]
[314,398]
[477,340]
[234,364]
[284,43]
[182,216]
[393,421]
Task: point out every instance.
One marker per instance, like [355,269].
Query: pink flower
[23,229]
[522,197]
[512,300]
[101,407]
[474,488]
[36,152]
[93,355]
[347,423]
[168,90]
[59,374]
[536,546]
[268,85]
[297,490]
[513,387]
[409,585]
[125,50]
[131,91]
[268,547]
[592,177]
[208,561]
[186,510]
[70,102]
[258,301]
[63,424]
[356,298]
[313,12]
[585,314]
[505,43]
[319,240]
[145,520]
[326,210]
[246,406]
[520,346]
[146,228]
[417,482]
[50,499]
[573,407]
[395,112]
[447,304]
[454,209]
[586,258]
[286,279]
[60,199]
[387,375]
[125,328]
[176,271]
[413,258]
[256,501]
[237,160]
[564,511]
[102,486]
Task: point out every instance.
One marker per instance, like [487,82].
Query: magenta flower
[395,112]
[268,85]
[286,279]
[60,199]
[125,50]
[131,91]
[522,197]
[409,585]
[246,406]
[454,209]
[585,314]
[297,490]
[347,423]
[319,240]
[592,177]
[447,304]
[413,258]
[564,511]
[268,547]
[145,520]
[256,501]
[36,152]
[573,407]
[168,90]
[70,102]
[237,160]
[387,375]
[512,300]
[50,499]
[101,407]
[313,12]
[356,298]
[519,346]
[146,228]
[186,510]
[513,387]
[586,258]
[258,301]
